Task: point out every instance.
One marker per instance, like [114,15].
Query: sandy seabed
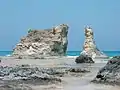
[69,82]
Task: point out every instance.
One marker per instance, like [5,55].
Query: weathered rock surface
[13,86]
[22,77]
[110,74]
[50,42]
[89,47]
[26,73]
[84,59]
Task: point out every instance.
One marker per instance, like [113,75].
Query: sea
[69,53]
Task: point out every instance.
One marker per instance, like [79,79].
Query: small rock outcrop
[110,74]
[89,48]
[84,59]
[48,42]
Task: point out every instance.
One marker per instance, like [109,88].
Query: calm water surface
[69,53]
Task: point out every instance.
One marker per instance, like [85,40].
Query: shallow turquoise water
[5,53]
[69,53]
[109,53]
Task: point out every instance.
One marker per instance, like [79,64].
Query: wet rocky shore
[22,76]
[50,73]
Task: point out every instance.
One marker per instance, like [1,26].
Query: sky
[17,16]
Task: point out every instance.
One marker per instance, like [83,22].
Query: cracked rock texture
[48,42]
[25,77]
[110,73]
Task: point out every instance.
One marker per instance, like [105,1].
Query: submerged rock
[110,74]
[89,48]
[84,59]
[50,42]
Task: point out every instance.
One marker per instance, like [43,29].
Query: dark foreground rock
[110,74]
[84,59]
[26,74]
[9,86]
[21,77]
[39,43]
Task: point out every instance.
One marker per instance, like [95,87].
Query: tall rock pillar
[89,47]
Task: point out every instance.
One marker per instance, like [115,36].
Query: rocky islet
[90,50]
[40,43]
[89,47]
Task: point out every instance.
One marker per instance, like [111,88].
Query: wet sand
[79,81]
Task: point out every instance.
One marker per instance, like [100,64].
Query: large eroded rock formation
[49,42]
[89,47]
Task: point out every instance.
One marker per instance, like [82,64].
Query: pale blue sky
[16,16]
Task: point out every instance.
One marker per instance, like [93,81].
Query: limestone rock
[48,42]
[89,47]
[110,74]
[84,59]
